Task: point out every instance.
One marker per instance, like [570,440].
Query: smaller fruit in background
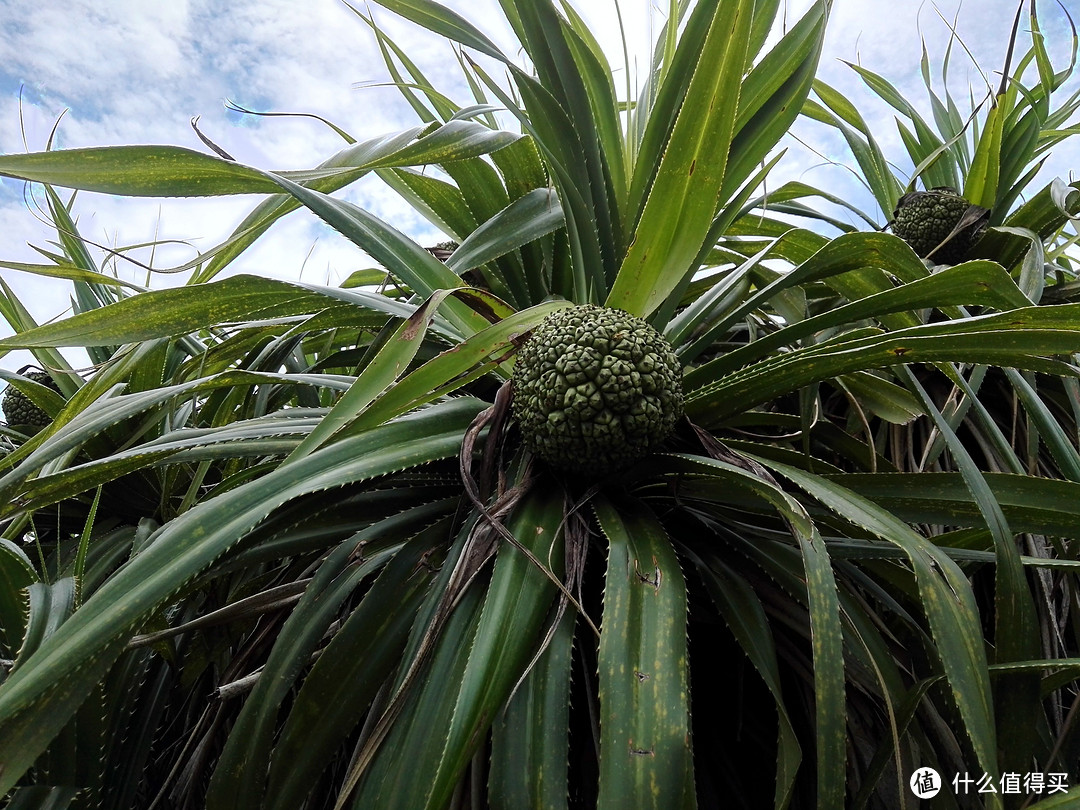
[443,250]
[19,409]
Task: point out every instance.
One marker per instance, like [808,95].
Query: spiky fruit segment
[595,388]
[19,409]
[443,250]
[925,220]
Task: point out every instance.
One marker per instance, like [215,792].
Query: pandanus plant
[352,576]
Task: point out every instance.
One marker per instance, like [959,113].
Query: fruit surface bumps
[925,220]
[19,409]
[595,388]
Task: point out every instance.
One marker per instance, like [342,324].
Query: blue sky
[129,71]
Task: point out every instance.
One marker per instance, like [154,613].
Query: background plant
[990,147]
[301,499]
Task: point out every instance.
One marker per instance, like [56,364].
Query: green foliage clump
[595,388]
[291,496]
[939,224]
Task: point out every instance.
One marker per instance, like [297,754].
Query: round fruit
[19,409]
[595,388]
[939,224]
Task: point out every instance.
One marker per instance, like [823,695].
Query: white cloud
[69,46]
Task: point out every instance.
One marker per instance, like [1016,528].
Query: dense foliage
[283,546]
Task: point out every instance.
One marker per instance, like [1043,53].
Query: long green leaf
[981,282]
[267,212]
[825,628]
[1050,430]
[529,217]
[16,575]
[71,272]
[392,359]
[745,616]
[571,75]
[479,656]
[401,256]
[394,782]
[849,264]
[445,22]
[517,603]
[842,114]
[1020,338]
[530,740]
[682,200]
[448,371]
[1015,624]
[179,311]
[772,95]
[981,185]
[173,171]
[103,409]
[645,754]
[51,604]
[1035,505]
[137,171]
